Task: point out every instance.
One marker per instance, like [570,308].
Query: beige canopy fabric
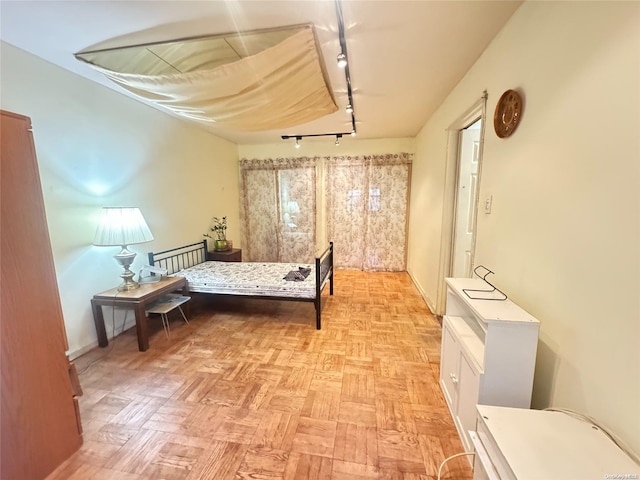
[277,88]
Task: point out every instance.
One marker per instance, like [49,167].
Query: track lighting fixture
[342,60]
[299,138]
[342,63]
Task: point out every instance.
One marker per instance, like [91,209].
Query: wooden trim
[75,381]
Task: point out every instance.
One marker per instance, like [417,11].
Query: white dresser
[519,444]
[488,354]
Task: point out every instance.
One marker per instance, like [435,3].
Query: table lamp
[122,226]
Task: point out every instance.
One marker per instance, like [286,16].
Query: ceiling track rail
[347,75]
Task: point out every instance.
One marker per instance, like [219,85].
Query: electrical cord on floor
[451,458]
[586,418]
[113,335]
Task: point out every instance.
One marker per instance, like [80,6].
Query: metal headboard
[179,258]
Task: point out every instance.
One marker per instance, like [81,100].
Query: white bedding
[249,278]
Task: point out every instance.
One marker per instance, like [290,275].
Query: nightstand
[138,300]
[233,255]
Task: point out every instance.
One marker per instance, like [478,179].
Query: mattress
[249,278]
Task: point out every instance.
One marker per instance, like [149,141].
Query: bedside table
[137,300]
[233,255]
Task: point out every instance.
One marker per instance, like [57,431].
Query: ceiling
[404,56]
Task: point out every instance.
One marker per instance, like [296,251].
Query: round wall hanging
[508,112]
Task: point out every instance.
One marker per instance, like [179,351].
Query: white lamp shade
[121,226]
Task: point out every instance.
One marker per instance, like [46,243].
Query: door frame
[477,111]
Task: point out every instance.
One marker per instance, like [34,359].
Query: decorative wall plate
[508,112]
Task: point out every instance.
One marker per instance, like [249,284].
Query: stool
[164,305]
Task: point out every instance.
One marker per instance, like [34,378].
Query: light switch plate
[487,204]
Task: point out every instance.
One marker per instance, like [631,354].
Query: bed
[249,279]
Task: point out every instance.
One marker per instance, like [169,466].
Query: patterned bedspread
[249,278]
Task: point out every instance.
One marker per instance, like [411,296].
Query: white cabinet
[520,444]
[488,354]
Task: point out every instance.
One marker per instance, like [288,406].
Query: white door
[466,207]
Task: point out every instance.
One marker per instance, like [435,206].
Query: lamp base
[128,285]
[125,258]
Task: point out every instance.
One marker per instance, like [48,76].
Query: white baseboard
[424,296]
[78,352]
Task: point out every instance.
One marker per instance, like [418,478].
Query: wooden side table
[233,255]
[136,299]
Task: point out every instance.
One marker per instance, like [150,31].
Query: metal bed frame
[179,258]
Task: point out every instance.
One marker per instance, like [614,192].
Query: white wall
[98,148]
[564,233]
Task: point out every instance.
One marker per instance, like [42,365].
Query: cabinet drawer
[76,407]
[76,388]
[468,391]
[497,461]
[482,466]
[233,255]
[450,357]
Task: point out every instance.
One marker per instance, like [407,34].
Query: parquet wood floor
[251,390]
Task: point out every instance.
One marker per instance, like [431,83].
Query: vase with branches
[219,230]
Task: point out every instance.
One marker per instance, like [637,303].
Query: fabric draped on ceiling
[279,87]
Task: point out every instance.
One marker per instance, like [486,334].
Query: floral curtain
[278,209]
[367,207]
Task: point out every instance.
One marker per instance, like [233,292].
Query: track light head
[342,60]
[342,63]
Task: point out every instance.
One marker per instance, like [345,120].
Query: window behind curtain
[261,216]
[297,225]
[347,204]
[278,209]
[367,199]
